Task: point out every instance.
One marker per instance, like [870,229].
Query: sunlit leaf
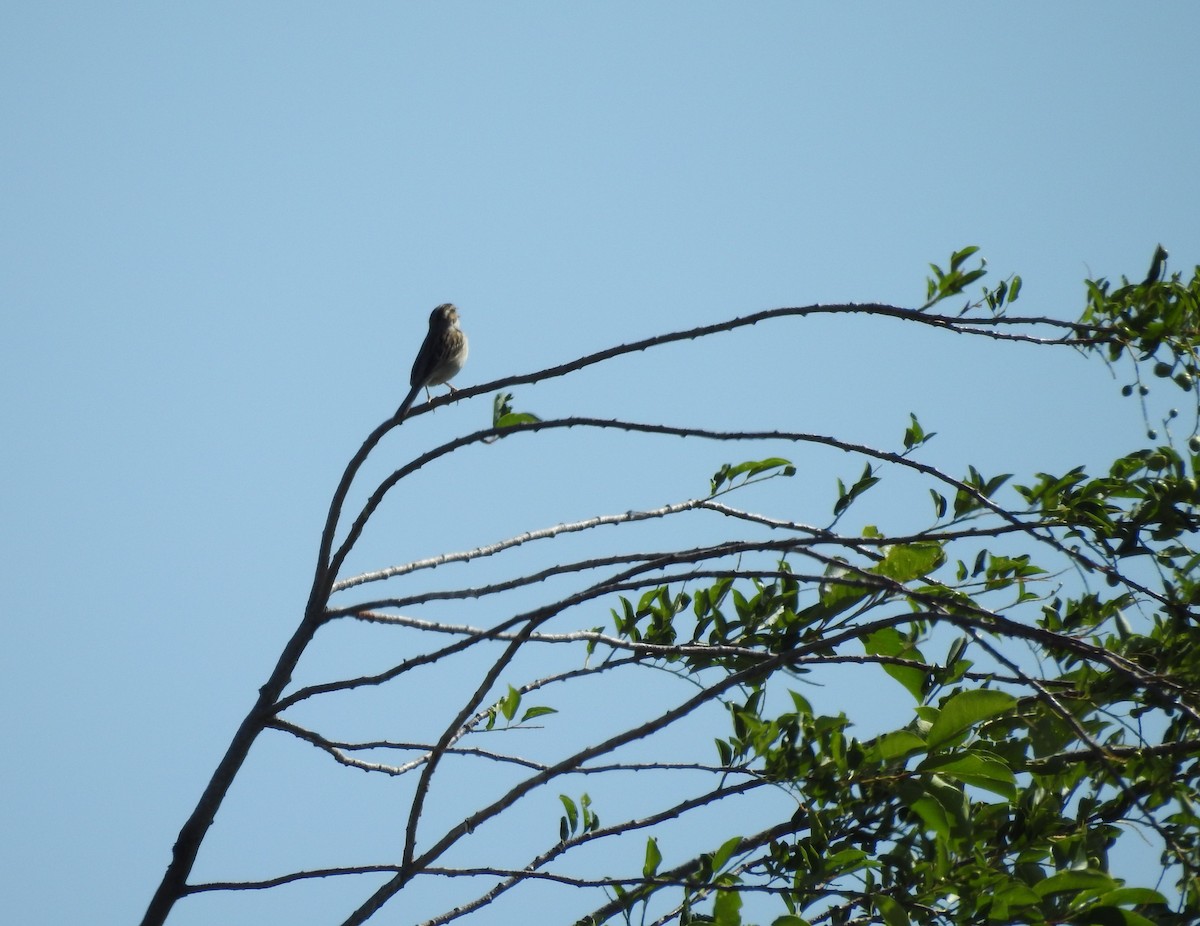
[910,561]
[889,642]
[965,709]
[727,909]
[653,858]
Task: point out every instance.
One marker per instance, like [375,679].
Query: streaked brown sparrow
[440,357]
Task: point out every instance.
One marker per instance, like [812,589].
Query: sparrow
[440,357]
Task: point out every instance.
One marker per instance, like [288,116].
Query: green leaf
[965,709]
[762,466]
[914,434]
[1016,894]
[751,468]
[958,257]
[846,496]
[725,853]
[890,642]
[946,283]
[510,702]
[1073,881]
[800,703]
[532,712]
[910,561]
[889,908]
[590,820]
[837,596]
[899,743]
[933,815]
[515,418]
[848,861]
[504,417]
[572,818]
[501,406]
[1157,265]
[653,858]
[727,909]
[1132,897]
[971,768]
[948,795]
[970,277]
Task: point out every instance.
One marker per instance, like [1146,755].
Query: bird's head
[444,315]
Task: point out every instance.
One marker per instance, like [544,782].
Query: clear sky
[224,226]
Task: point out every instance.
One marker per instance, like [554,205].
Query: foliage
[1041,629]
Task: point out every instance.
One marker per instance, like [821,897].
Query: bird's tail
[402,411]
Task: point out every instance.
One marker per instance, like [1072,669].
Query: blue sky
[225,225]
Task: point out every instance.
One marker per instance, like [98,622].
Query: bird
[440,357]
